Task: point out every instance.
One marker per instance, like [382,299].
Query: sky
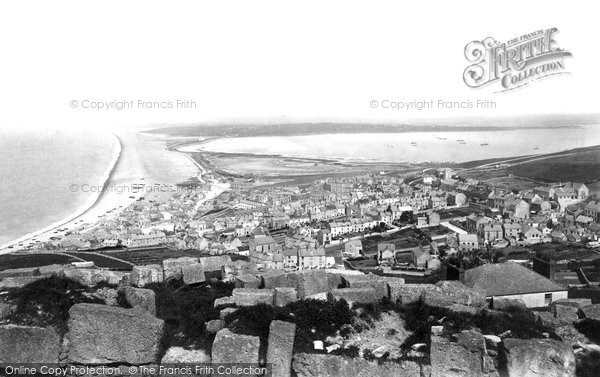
[273,61]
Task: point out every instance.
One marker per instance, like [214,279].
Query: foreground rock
[24,345]
[284,296]
[193,274]
[251,297]
[538,357]
[281,345]
[447,293]
[356,295]
[100,334]
[91,277]
[321,365]
[172,267]
[139,297]
[141,276]
[591,312]
[179,355]
[466,358]
[307,283]
[235,348]
[18,282]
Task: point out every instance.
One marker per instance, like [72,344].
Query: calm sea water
[36,171]
[415,146]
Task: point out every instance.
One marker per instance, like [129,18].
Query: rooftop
[503,279]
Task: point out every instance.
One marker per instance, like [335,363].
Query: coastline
[44,234]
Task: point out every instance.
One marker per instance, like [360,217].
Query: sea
[413,147]
[46,175]
[37,169]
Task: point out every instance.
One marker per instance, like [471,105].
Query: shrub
[46,302]
[185,309]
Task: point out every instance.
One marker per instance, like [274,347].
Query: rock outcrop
[28,345]
[139,297]
[281,345]
[321,365]
[100,334]
[172,267]
[251,297]
[141,276]
[538,357]
[179,355]
[235,348]
[284,296]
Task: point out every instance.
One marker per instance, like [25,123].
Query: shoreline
[45,233]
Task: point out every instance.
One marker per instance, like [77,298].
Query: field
[403,239]
[102,261]
[152,256]
[578,165]
[10,261]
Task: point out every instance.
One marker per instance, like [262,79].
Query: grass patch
[46,302]
[314,319]
[185,309]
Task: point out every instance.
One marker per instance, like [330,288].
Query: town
[457,259]
[423,226]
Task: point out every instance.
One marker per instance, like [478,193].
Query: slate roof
[503,279]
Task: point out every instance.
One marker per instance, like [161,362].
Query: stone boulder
[225,312]
[407,293]
[215,264]
[574,302]
[91,277]
[139,297]
[591,312]
[193,274]
[307,283]
[284,296]
[456,359]
[251,297]
[108,295]
[268,278]
[6,309]
[235,348]
[569,334]
[224,301]
[247,281]
[19,272]
[141,276]
[546,319]
[323,365]
[509,305]
[566,314]
[53,270]
[100,334]
[28,345]
[538,357]
[356,295]
[281,345]
[380,287]
[18,282]
[172,267]
[179,355]
[214,326]
[446,293]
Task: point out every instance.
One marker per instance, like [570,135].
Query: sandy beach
[139,160]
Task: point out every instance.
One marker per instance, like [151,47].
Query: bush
[46,302]
[185,309]
[314,319]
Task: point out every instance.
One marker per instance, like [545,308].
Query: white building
[514,281]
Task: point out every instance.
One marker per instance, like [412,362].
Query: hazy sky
[274,60]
